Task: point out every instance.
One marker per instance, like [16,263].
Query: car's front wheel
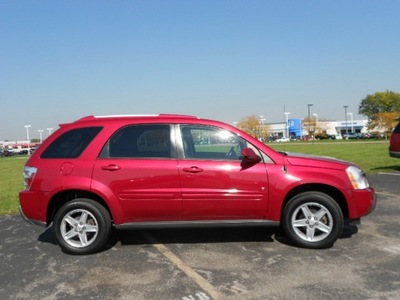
[313,220]
[82,226]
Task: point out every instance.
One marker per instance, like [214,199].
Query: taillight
[29,175]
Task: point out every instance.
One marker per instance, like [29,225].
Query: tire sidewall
[323,199]
[100,214]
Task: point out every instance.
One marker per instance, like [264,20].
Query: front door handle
[111,168]
[193,169]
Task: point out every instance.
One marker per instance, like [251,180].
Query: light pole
[41,135]
[315,127]
[351,115]
[309,106]
[287,123]
[345,116]
[261,119]
[27,138]
[49,130]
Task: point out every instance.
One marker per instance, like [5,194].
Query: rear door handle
[193,169]
[110,168]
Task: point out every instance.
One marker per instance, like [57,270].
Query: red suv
[173,170]
[394,148]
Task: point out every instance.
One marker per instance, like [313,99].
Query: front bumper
[362,203]
[394,154]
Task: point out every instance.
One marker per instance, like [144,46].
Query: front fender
[288,179]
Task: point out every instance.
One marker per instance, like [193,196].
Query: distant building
[296,129]
[17,146]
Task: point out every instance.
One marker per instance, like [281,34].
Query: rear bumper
[30,221]
[33,207]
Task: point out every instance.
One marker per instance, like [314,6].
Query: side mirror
[249,156]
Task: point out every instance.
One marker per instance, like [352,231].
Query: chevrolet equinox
[132,171]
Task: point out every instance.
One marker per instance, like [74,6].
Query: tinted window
[141,141]
[397,129]
[205,142]
[72,143]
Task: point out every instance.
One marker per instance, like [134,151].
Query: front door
[214,183]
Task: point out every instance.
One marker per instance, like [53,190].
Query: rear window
[72,143]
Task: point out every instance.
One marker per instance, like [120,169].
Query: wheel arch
[63,197]
[331,191]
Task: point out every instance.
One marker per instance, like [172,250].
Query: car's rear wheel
[82,226]
[313,220]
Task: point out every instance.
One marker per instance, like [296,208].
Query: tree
[380,108]
[254,126]
[310,125]
[387,120]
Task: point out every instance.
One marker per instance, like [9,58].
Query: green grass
[11,182]
[372,157]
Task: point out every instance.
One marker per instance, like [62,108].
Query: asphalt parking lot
[200,264]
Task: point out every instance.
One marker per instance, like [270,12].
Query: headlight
[357,178]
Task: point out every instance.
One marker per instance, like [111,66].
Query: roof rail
[125,116]
[93,117]
[177,115]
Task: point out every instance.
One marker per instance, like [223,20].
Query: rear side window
[140,141]
[72,143]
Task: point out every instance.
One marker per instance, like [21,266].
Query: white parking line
[394,174]
[393,249]
[386,194]
[202,282]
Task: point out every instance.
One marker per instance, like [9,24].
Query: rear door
[215,185]
[138,166]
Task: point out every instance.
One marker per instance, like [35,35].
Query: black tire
[313,220]
[82,226]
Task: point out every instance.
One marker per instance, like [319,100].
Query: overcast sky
[62,60]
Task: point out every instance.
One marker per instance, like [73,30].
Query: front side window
[140,141]
[207,142]
[71,144]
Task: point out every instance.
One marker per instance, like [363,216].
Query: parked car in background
[352,135]
[101,172]
[394,148]
[9,152]
[370,135]
[23,152]
[282,140]
[335,137]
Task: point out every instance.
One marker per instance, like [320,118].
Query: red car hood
[306,160]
